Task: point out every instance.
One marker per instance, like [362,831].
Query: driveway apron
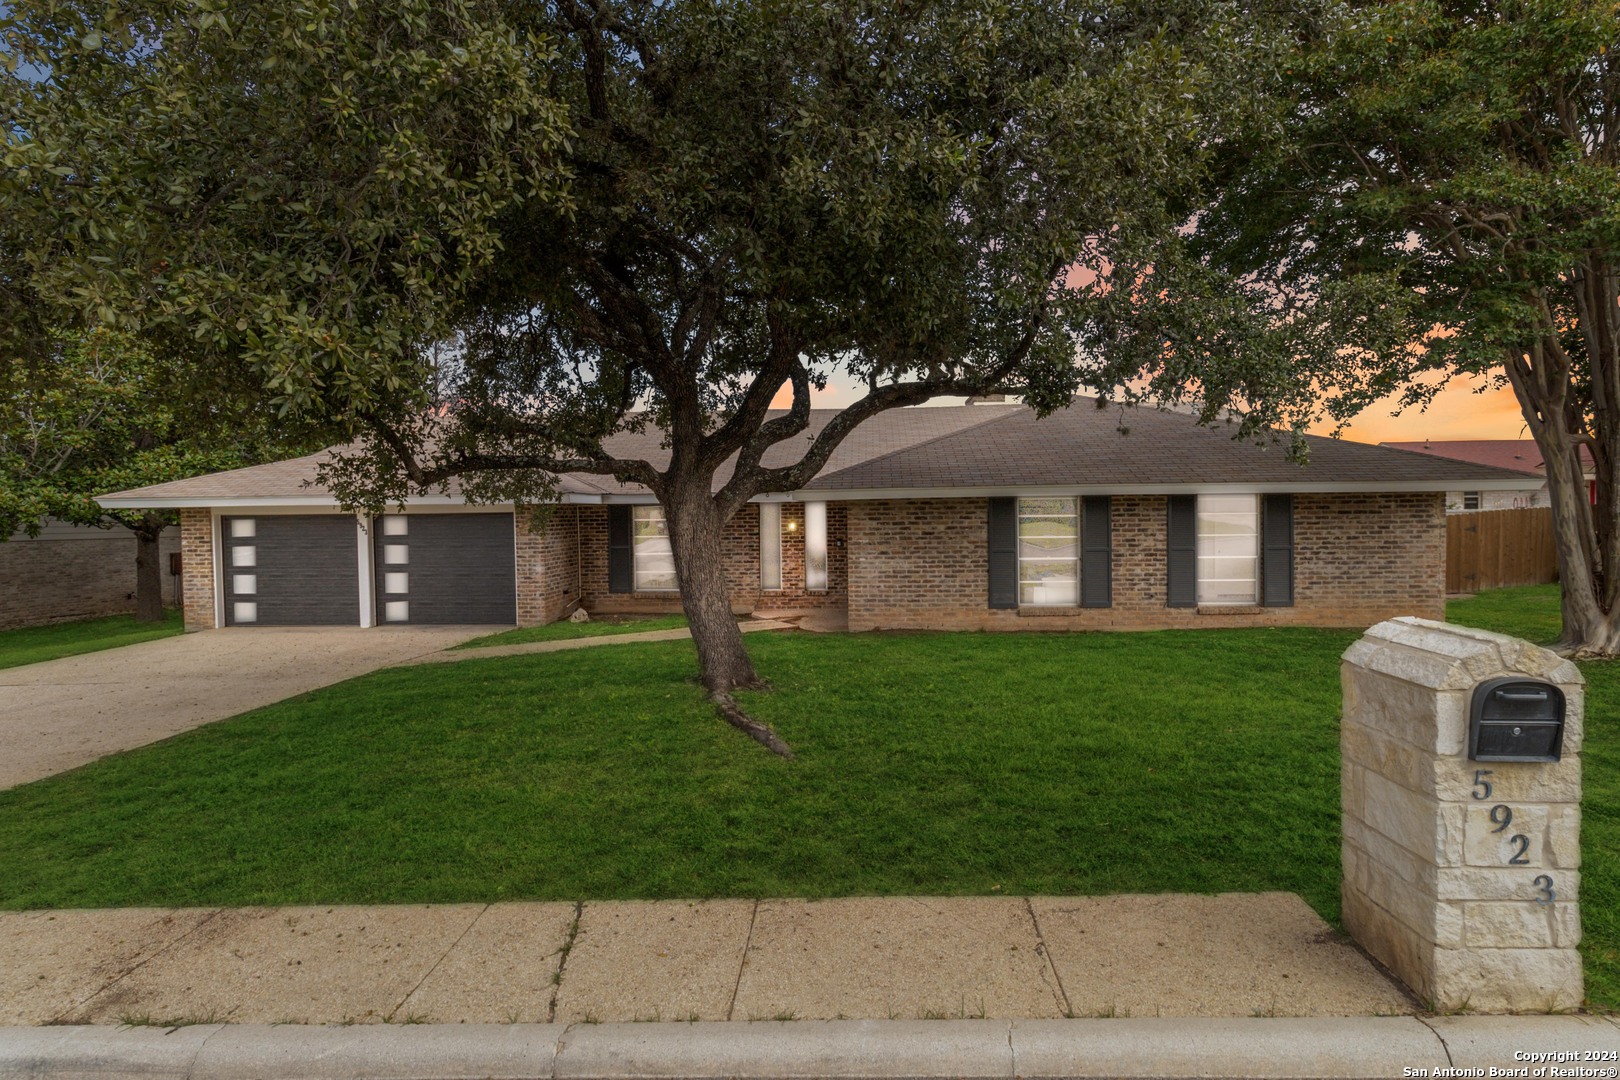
[61,714]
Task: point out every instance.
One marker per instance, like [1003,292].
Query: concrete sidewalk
[60,714]
[1260,1048]
[1236,955]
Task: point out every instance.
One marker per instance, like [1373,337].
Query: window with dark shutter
[1003,539]
[1277,552]
[1097,552]
[621,554]
[1181,571]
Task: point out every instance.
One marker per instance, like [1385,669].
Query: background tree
[759,196]
[103,416]
[1438,197]
[296,191]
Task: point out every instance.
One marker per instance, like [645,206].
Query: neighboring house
[73,572]
[1520,455]
[968,517]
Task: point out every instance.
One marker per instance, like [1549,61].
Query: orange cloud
[1457,412]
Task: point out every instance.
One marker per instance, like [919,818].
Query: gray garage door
[291,571]
[446,568]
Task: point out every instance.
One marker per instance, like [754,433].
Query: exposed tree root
[732,713]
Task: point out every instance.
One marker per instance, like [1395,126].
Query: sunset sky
[1457,413]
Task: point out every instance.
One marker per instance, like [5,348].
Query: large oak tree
[678,212]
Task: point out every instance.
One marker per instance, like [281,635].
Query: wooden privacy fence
[1489,549]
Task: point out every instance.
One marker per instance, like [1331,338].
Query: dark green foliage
[296,193]
[102,414]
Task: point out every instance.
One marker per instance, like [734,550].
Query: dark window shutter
[1003,531]
[621,556]
[1277,551]
[1182,547]
[1096,551]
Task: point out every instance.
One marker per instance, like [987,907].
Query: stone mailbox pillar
[1459,875]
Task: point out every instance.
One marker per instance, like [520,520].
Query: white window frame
[638,514]
[1216,544]
[770,547]
[1059,599]
[1475,498]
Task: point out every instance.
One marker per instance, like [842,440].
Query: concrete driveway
[61,714]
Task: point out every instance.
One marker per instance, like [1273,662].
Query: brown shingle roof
[975,446]
[1133,447]
[884,433]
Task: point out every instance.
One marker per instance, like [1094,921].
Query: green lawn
[599,626]
[32,644]
[928,763]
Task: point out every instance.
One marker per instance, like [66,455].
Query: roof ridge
[1011,411]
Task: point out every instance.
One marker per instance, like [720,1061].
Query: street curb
[1266,1049]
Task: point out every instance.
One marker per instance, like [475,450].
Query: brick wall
[197,567]
[547,566]
[740,553]
[73,573]
[1358,559]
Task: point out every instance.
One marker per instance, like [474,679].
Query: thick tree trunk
[695,538]
[148,573]
[695,528]
[1588,628]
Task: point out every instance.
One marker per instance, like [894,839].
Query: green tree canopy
[614,213]
[302,190]
[104,415]
[1437,194]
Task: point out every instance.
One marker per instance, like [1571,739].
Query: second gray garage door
[446,569]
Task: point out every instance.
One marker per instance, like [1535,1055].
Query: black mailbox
[1516,720]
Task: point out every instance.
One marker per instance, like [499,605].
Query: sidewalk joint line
[562,962]
[748,943]
[435,967]
[1012,1049]
[204,921]
[1439,1036]
[1046,954]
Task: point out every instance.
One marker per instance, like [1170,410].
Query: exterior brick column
[197,567]
[547,565]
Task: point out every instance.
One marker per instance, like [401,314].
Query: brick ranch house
[975,517]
